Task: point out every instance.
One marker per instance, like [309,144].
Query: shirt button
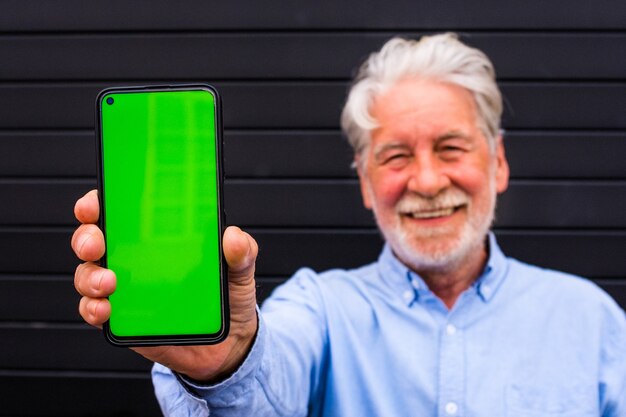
[450,329]
[486,290]
[415,283]
[408,295]
[452,408]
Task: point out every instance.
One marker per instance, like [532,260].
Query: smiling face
[429,175]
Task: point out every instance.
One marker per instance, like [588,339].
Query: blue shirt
[375,341]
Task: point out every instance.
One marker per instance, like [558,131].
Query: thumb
[240,251]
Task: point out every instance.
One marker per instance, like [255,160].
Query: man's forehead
[423,101]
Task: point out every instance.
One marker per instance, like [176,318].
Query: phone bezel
[182,339]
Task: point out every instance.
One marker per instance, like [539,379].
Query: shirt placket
[451,371]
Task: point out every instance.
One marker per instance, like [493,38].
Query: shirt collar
[396,275]
[411,287]
[490,280]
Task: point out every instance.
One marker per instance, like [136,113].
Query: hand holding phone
[203,363]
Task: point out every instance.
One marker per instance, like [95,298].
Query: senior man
[442,324]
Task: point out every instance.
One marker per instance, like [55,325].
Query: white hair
[441,57]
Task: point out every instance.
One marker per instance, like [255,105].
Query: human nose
[427,177]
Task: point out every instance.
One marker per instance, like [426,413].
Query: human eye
[452,148]
[395,157]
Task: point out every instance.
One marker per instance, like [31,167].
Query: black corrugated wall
[283,69]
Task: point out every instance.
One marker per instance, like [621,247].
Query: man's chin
[433,243]
[439,252]
[427,256]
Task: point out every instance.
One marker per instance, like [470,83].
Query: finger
[94,311]
[87,208]
[88,242]
[93,281]
[240,251]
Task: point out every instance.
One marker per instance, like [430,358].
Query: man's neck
[448,284]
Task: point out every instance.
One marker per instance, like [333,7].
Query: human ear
[502,167]
[363,182]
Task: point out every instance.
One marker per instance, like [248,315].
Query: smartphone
[160,177]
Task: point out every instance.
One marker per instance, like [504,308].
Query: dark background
[283,69]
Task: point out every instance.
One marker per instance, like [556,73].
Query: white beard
[421,249]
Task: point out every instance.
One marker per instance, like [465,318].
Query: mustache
[449,198]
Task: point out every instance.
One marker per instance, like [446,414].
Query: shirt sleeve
[281,374]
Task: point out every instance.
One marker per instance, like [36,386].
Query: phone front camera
[110,100]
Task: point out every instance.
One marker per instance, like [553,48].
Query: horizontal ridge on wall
[18,293]
[297,105]
[94,395]
[318,154]
[336,203]
[163,15]
[293,56]
[591,253]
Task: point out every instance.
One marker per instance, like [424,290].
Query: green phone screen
[160,192]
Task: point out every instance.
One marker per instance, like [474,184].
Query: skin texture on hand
[201,363]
